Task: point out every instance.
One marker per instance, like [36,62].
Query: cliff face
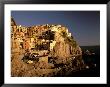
[65,46]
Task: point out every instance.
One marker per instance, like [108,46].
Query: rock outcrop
[65,46]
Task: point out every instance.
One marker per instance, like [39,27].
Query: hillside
[43,50]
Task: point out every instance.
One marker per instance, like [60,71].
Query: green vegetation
[69,40]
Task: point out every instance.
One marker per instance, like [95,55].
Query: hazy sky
[84,25]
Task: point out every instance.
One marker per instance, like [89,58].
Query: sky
[83,25]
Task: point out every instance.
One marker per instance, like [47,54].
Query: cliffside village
[43,42]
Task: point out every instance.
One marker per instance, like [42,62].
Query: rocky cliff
[65,46]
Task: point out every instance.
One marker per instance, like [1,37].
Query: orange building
[26,45]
